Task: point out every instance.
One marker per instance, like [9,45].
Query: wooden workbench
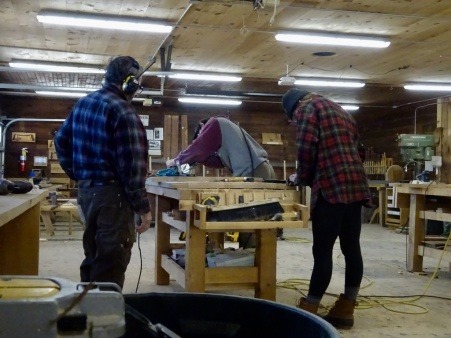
[19,232]
[185,194]
[62,206]
[414,197]
[380,211]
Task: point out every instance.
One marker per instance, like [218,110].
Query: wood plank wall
[378,127]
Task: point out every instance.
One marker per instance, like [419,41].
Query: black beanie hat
[290,100]
[119,68]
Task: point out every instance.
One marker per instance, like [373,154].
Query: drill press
[415,150]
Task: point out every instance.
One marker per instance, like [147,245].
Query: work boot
[342,313]
[309,307]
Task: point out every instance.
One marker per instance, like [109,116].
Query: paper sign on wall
[144,120]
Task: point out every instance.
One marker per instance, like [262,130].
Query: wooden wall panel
[378,127]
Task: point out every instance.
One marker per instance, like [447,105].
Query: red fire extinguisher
[23,158]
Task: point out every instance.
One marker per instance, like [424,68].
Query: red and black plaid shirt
[329,161]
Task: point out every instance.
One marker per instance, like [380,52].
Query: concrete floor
[385,274]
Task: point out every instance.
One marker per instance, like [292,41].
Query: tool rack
[185,194]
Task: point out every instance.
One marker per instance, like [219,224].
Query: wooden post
[443,139]
[416,232]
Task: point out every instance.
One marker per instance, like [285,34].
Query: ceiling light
[55,67]
[335,40]
[106,22]
[329,83]
[349,107]
[214,101]
[445,87]
[206,77]
[60,94]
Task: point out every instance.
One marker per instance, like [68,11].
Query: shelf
[179,225]
[216,278]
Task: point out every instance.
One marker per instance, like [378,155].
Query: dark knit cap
[290,100]
[119,68]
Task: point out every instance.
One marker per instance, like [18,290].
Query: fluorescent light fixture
[60,94]
[437,87]
[349,107]
[49,67]
[104,22]
[329,83]
[213,101]
[206,77]
[334,40]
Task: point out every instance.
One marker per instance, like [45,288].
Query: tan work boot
[342,313]
[309,307]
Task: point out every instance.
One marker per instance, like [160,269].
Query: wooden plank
[426,251]
[416,233]
[174,270]
[162,239]
[248,225]
[167,140]
[183,132]
[437,216]
[179,225]
[174,136]
[265,259]
[13,205]
[231,275]
[194,257]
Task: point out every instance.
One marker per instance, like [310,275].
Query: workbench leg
[194,256]
[70,222]
[266,260]
[416,232]
[381,206]
[162,238]
[48,223]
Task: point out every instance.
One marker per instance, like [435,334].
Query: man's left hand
[144,225]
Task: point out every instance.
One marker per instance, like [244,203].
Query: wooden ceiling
[237,37]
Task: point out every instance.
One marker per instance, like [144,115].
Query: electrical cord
[369,301]
[140,262]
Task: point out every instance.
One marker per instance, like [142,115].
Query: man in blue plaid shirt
[103,146]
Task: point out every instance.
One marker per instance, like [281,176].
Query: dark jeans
[109,234]
[330,221]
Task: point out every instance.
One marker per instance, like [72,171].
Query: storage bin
[203,315]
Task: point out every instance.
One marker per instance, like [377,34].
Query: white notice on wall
[158,134]
[149,134]
[144,120]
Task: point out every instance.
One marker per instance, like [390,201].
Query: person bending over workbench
[329,162]
[219,143]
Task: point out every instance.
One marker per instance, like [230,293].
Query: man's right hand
[292,180]
[170,163]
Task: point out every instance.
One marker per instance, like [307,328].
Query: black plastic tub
[201,315]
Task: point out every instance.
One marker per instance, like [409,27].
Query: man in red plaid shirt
[329,163]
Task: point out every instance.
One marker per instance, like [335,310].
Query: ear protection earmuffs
[130,84]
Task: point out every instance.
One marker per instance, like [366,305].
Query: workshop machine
[32,306]
[44,307]
[418,150]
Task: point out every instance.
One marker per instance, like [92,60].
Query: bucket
[201,315]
